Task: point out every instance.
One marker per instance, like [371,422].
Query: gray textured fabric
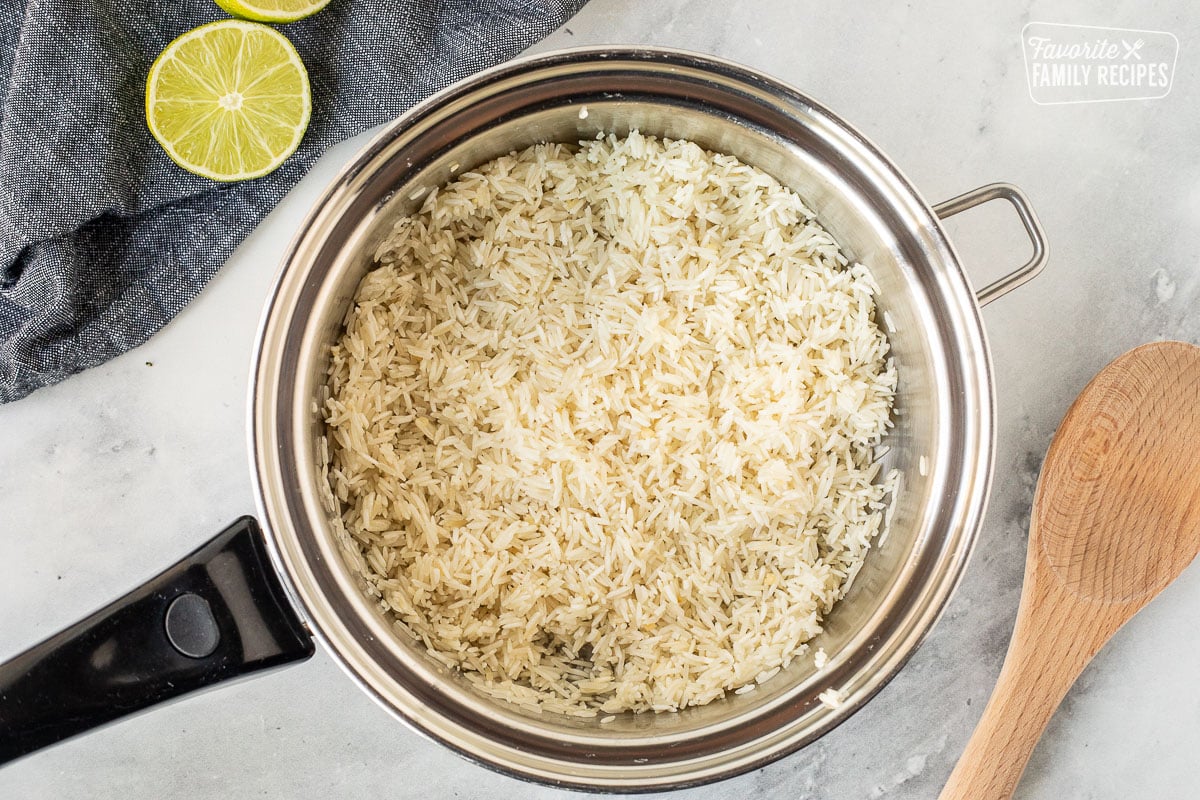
[102,238]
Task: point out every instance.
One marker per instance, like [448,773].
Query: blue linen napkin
[102,238]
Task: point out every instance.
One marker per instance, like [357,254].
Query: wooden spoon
[1116,518]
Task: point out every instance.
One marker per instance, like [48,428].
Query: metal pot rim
[269,432]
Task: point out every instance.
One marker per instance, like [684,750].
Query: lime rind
[219,124]
[281,11]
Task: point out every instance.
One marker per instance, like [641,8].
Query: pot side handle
[1033,227]
[218,614]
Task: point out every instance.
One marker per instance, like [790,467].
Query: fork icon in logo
[1132,49]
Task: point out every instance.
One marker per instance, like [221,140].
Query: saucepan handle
[218,614]
[1041,250]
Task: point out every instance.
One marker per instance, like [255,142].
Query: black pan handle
[218,614]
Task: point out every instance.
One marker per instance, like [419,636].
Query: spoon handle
[1044,658]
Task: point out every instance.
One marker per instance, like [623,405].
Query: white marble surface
[119,471]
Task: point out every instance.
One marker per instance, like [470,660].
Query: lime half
[273,10]
[229,100]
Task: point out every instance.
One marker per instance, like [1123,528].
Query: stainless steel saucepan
[249,600]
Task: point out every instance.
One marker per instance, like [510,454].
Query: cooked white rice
[600,425]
